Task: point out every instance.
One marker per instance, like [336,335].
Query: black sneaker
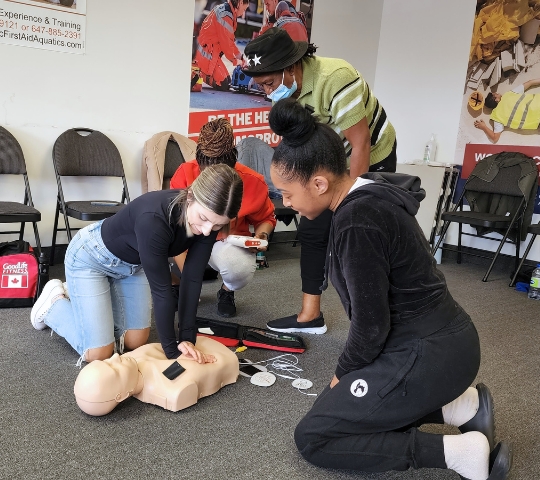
[291,325]
[225,305]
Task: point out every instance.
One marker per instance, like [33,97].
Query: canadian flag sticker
[14,281]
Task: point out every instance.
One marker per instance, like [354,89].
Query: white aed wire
[286,363]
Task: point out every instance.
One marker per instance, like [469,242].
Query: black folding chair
[486,214]
[12,163]
[173,159]
[91,155]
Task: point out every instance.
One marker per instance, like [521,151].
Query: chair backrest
[11,154]
[86,155]
[173,159]
[504,183]
[257,155]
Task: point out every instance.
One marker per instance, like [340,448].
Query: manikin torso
[101,385]
[199,380]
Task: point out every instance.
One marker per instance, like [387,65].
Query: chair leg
[527,250]
[38,241]
[441,237]
[55,230]
[503,241]
[21,231]
[460,229]
[516,260]
[296,234]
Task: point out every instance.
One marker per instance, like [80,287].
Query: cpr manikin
[102,385]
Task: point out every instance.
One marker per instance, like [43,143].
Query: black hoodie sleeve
[362,256]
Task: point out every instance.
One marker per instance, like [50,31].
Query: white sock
[467,454]
[462,409]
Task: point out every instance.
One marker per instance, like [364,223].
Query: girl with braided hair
[236,265]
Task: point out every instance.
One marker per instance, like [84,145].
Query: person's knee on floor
[306,442]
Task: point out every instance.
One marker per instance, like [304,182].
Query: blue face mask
[282,91]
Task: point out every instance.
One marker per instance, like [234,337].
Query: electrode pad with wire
[288,365]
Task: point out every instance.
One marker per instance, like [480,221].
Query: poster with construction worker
[501,101]
[219,88]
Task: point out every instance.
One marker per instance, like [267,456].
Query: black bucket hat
[272,51]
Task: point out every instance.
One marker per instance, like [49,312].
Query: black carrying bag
[232,335]
[22,275]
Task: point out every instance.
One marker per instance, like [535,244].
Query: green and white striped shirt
[340,97]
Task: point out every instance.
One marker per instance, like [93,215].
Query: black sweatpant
[368,421]
[313,236]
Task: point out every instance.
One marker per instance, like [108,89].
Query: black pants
[368,421]
[313,236]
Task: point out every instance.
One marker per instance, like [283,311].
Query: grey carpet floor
[244,431]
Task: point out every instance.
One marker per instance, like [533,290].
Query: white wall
[421,68]
[132,83]
[349,29]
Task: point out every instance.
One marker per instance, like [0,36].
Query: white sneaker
[52,289]
[66,291]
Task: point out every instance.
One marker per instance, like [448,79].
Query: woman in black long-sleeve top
[412,352]
[116,269]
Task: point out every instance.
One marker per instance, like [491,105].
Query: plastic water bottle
[261,261]
[430,150]
[534,289]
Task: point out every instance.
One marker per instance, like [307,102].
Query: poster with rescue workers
[501,101]
[222,29]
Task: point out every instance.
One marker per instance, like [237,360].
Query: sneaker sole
[39,303]
[316,330]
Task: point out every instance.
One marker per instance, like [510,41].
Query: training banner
[219,89]
[58,25]
[501,101]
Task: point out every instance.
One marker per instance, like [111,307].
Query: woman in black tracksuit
[412,352]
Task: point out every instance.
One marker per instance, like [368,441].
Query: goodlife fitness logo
[15,275]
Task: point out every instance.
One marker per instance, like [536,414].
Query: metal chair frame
[508,223]
[21,218]
[89,216]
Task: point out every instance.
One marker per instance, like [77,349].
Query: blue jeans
[107,296]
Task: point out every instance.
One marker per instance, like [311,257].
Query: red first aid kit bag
[19,269]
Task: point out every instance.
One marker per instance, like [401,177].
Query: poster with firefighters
[222,29]
[501,101]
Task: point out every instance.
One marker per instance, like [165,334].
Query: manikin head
[103,384]
[309,165]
